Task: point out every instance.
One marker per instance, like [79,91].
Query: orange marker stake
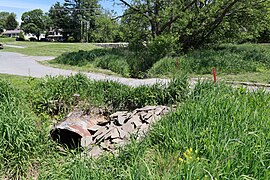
[214,74]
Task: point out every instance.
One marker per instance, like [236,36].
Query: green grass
[119,60]
[19,82]
[22,142]
[44,48]
[217,132]
[114,96]
[248,62]
[232,62]
[255,77]
[7,40]
[86,68]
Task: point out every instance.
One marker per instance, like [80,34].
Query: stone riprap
[100,134]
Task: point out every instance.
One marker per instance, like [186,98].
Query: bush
[71,39]
[167,66]
[163,45]
[114,63]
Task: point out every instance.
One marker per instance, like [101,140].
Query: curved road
[23,65]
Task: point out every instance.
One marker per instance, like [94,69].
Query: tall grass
[54,95]
[21,141]
[227,59]
[120,60]
[219,133]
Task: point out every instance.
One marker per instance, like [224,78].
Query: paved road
[14,46]
[22,65]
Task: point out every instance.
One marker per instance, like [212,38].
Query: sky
[21,6]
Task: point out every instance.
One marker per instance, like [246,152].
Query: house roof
[12,32]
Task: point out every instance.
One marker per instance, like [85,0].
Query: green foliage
[227,59]
[194,23]
[124,61]
[112,59]
[163,45]
[54,96]
[21,140]
[35,22]
[3,17]
[11,22]
[21,36]
[71,39]
[216,131]
[114,63]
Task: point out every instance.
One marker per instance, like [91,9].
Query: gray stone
[86,141]
[159,110]
[136,121]
[122,133]
[114,133]
[142,114]
[128,127]
[165,111]
[146,108]
[148,116]
[102,135]
[107,145]
[94,128]
[153,119]
[100,131]
[95,151]
[121,120]
[134,118]
[144,128]
[118,141]
[119,113]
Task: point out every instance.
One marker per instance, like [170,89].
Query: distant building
[12,33]
[55,35]
[16,32]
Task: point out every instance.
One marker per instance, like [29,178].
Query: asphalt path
[23,65]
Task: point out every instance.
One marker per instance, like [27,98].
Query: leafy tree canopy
[35,22]
[7,21]
[195,22]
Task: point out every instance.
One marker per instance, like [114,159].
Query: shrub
[114,63]
[163,45]
[71,39]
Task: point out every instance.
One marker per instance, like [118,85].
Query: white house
[15,33]
[55,35]
[12,33]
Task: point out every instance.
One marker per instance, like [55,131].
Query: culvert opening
[70,139]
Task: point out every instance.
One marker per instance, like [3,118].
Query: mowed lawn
[43,48]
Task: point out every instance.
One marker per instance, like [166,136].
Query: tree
[195,22]
[106,29]
[3,20]
[35,22]
[11,22]
[61,19]
[76,18]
